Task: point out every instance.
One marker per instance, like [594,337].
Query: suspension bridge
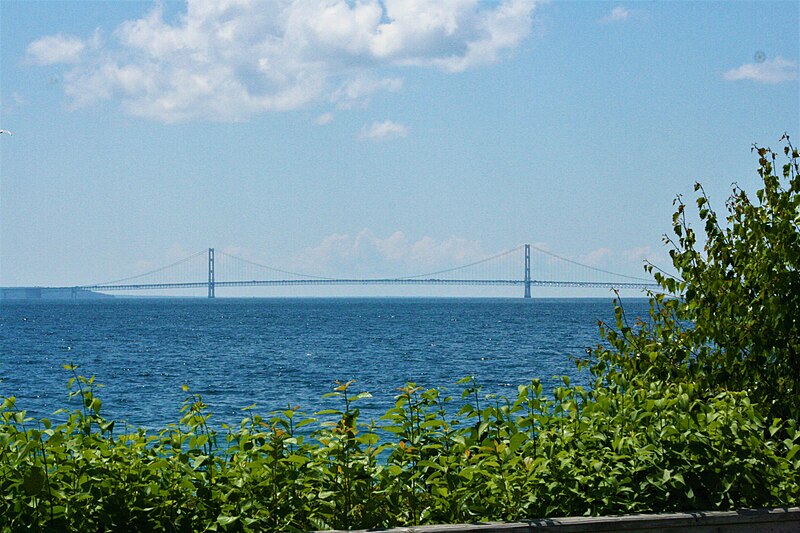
[525,266]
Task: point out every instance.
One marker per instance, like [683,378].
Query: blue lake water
[273,352]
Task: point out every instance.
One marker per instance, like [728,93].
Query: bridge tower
[527,271]
[211,273]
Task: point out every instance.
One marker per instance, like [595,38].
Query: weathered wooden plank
[780,520]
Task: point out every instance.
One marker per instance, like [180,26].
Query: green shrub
[614,449]
[733,322]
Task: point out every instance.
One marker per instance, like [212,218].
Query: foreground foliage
[612,450]
[735,324]
[693,409]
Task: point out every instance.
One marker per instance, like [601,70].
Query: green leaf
[226,520]
[394,470]
[516,441]
[329,412]
[792,452]
[430,464]
[34,480]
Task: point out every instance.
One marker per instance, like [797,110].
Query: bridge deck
[376,281]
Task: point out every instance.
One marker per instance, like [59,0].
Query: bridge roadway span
[375,281]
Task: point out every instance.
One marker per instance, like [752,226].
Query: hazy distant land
[47,293]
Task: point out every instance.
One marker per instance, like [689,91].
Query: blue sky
[375,138]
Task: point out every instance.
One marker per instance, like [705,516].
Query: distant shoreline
[48,293]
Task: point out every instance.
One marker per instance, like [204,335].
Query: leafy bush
[694,409]
[612,450]
[734,320]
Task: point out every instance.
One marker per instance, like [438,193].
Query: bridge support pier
[211,273]
[527,271]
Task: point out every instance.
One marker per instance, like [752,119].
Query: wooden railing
[780,520]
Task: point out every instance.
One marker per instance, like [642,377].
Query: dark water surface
[271,352]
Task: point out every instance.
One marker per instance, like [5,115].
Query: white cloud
[383,131]
[618,14]
[174,253]
[642,253]
[325,118]
[355,92]
[452,36]
[228,60]
[394,255]
[597,257]
[773,71]
[11,104]
[54,49]
[659,257]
